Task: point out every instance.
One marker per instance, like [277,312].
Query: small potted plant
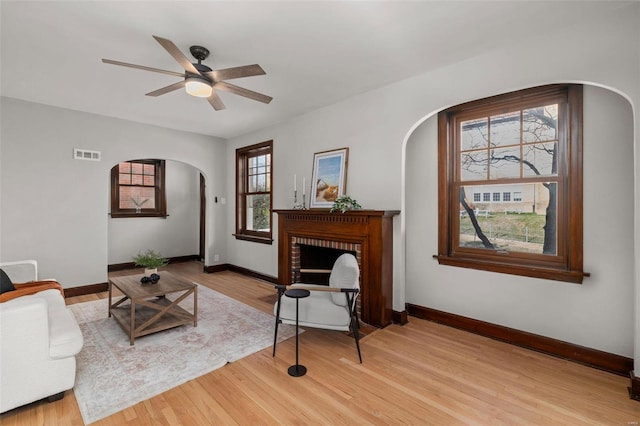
[151,261]
[345,203]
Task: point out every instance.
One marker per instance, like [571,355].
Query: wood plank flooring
[421,373]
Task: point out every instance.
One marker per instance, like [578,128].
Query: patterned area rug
[112,375]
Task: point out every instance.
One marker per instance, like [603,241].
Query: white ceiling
[315,53]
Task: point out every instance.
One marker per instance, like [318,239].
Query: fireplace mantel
[371,229]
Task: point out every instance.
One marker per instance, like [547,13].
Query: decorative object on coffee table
[151,261]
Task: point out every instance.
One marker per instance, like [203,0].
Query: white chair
[39,339]
[331,307]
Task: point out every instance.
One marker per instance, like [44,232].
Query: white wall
[177,235]
[603,49]
[596,314]
[55,209]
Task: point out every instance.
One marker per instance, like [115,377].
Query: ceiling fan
[200,80]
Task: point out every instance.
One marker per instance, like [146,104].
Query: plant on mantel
[345,203]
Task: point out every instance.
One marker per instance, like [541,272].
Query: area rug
[112,375]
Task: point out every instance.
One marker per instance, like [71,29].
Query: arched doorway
[181,234]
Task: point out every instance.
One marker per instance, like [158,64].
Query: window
[137,189]
[486,197]
[253,192]
[476,197]
[530,140]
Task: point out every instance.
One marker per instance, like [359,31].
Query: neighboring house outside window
[529,144]
[138,189]
[253,193]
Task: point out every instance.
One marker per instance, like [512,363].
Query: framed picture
[329,179]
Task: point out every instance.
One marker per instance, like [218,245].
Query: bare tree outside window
[511,146]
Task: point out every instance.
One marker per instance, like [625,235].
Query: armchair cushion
[5,282]
[344,274]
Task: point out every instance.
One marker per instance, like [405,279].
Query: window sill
[119,215]
[254,238]
[522,270]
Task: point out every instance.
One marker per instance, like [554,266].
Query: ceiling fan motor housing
[203,69]
[199,52]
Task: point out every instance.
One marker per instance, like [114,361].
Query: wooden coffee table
[150,310]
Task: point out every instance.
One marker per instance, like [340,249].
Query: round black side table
[297,370]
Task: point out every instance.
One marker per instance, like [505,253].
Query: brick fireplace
[368,234]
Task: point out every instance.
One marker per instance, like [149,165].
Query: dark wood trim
[86,289]
[203,215]
[132,265]
[254,238]
[253,274]
[401,318]
[242,166]
[241,270]
[595,358]
[634,389]
[216,268]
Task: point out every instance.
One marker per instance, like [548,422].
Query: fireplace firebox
[315,263]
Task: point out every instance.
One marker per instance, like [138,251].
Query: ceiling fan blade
[142,67]
[236,90]
[177,54]
[167,89]
[236,72]
[216,102]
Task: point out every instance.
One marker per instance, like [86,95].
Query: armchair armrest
[318,287]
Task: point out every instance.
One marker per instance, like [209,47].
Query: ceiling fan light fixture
[198,87]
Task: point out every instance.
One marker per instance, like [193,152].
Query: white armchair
[39,338]
[331,307]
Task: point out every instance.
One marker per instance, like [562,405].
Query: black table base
[297,370]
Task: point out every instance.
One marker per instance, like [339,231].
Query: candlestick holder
[296,205]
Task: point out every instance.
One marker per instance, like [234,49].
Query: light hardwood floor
[420,373]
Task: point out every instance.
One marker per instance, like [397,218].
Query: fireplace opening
[316,263]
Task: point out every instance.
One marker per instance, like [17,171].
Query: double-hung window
[529,144]
[253,192]
[138,189]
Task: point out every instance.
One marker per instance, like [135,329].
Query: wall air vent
[85,154]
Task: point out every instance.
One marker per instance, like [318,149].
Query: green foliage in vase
[150,259]
[345,203]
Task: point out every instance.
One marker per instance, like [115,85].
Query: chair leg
[354,326]
[356,335]
[275,334]
[275,337]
